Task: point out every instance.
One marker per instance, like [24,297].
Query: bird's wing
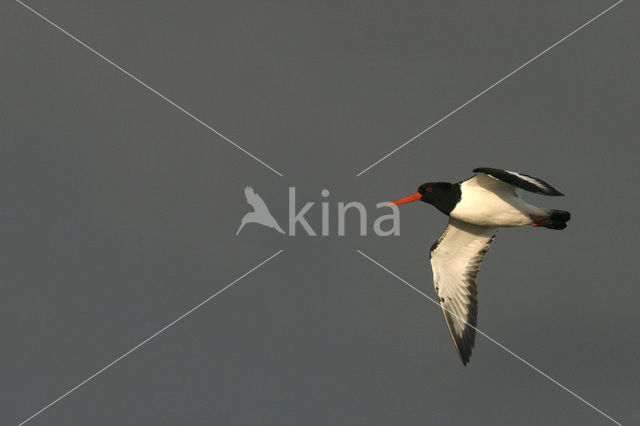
[255,200]
[455,260]
[520,180]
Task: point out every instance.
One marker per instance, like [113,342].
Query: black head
[442,195]
[434,191]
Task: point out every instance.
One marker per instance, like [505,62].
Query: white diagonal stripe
[146,86]
[190,311]
[500,345]
[491,87]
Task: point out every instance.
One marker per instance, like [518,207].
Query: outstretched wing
[255,200]
[455,260]
[520,180]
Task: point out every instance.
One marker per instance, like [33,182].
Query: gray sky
[119,212]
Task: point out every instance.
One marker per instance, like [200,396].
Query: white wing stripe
[530,179]
[455,259]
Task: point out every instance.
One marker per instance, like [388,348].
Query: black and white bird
[477,207]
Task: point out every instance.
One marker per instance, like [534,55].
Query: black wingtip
[465,354]
[553,192]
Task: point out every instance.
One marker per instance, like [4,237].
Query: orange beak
[410,198]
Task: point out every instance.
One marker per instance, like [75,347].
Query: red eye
[429,189]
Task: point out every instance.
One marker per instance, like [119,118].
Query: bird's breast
[480,206]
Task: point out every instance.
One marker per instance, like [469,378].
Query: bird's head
[442,195]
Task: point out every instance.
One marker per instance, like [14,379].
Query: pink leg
[539,220]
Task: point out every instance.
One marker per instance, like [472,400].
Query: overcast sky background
[119,212]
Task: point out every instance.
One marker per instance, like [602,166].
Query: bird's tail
[555,219]
[277,227]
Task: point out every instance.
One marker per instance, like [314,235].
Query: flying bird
[260,213]
[477,207]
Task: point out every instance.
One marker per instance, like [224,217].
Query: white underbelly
[483,207]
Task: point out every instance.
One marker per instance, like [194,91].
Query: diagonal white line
[503,347]
[145,85]
[91,377]
[491,87]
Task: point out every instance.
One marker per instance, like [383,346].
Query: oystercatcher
[477,207]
